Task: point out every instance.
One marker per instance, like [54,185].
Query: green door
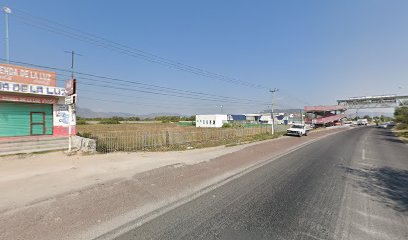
[37,123]
[24,119]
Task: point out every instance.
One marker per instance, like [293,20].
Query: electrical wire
[58,28]
[150,90]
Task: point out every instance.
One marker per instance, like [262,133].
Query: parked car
[362,122]
[298,130]
[386,125]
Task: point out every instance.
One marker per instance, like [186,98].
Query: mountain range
[88,113]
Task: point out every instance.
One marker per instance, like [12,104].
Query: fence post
[167,139]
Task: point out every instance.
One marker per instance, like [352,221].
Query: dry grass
[168,136]
[401,131]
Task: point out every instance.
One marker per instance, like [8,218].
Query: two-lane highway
[350,185]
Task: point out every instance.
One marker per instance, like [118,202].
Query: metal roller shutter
[24,119]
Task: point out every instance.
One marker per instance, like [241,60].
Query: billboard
[70,87]
[18,74]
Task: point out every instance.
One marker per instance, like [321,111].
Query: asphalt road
[351,185]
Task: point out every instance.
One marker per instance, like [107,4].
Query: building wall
[211,120]
[25,94]
[62,119]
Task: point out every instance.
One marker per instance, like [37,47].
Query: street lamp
[7,11]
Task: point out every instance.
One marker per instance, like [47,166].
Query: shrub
[81,122]
[109,121]
[401,114]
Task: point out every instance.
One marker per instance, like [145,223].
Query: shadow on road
[387,135]
[387,185]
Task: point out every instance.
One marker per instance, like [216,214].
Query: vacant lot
[168,136]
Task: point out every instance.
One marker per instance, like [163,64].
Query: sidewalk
[53,196]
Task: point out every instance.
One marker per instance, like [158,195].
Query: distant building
[217,120]
[325,115]
[211,120]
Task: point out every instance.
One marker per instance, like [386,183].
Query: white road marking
[363,154]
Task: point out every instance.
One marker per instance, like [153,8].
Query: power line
[70,32]
[174,92]
[161,102]
[155,105]
[58,28]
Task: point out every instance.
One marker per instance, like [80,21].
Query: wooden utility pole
[71,106]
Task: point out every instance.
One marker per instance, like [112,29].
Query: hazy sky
[315,52]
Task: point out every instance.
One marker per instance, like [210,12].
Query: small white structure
[211,120]
[266,119]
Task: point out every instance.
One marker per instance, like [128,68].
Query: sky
[314,52]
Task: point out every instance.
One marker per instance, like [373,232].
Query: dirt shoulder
[53,196]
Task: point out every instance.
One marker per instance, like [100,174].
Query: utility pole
[7,11]
[272,109]
[70,106]
[72,61]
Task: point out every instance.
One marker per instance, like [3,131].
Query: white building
[211,120]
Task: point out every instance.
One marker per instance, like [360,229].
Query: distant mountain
[88,113]
[153,115]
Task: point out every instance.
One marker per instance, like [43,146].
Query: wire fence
[129,141]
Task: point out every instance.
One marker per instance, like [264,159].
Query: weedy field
[169,136]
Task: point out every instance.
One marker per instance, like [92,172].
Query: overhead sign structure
[380,101]
[14,87]
[18,74]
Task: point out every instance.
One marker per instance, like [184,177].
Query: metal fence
[128,141]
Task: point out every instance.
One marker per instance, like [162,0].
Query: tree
[368,118]
[401,114]
[118,118]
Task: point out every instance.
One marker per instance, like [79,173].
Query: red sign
[26,99]
[17,74]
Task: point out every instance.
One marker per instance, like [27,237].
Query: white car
[298,130]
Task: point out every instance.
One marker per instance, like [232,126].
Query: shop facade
[31,104]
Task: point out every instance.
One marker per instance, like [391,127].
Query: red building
[324,115]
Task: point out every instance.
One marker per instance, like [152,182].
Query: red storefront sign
[18,74]
[28,99]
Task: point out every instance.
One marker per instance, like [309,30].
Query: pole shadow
[386,185]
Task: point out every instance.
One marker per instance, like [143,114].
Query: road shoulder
[109,204]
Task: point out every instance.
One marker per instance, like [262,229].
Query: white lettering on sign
[26,75]
[32,89]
